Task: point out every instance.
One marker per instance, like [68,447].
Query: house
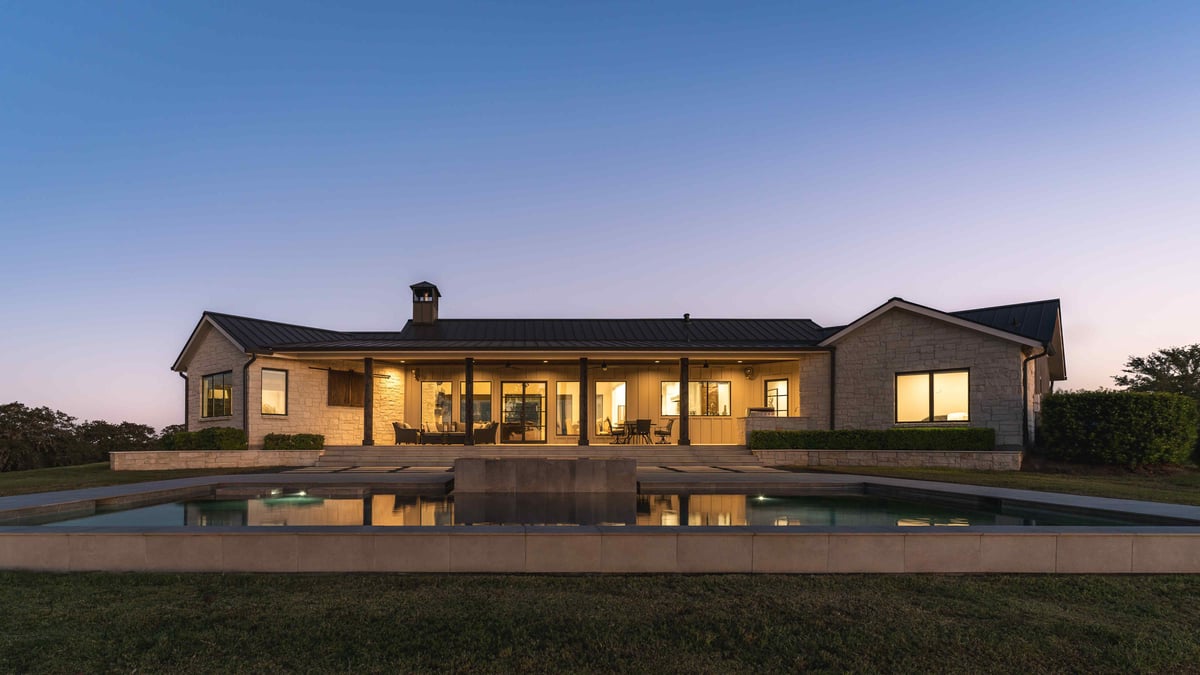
[578,381]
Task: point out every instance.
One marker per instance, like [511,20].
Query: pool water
[670,510]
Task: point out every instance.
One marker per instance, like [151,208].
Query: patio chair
[617,433]
[664,435]
[642,430]
[404,434]
[486,435]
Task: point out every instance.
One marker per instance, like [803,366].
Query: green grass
[93,475]
[1181,486]
[388,623]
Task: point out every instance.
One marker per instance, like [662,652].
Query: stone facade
[899,341]
[998,460]
[308,410]
[814,389]
[155,460]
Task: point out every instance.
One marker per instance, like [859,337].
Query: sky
[306,162]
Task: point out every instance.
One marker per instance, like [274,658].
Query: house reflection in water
[693,510]
[395,510]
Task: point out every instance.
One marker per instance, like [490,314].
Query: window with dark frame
[216,395]
[706,398]
[777,396]
[345,388]
[274,391]
[933,396]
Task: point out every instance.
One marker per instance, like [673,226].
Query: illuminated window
[482,402]
[705,399]
[610,406]
[437,410]
[566,422]
[274,391]
[934,396]
[777,397]
[216,395]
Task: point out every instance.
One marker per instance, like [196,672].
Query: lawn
[386,623]
[93,475]
[1176,485]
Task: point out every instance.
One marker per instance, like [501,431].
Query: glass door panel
[523,412]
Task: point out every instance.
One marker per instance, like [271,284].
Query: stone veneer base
[994,460]
[159,460]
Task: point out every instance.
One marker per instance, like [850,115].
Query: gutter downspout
[246,396]
[1027,441]
[185,399]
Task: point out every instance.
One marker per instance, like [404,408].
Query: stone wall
[161,460]
[814,389]
[899,341]
[308,411]
[996,460]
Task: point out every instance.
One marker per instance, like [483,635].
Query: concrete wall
[998,460]
[156,460]
[605,550]
[900,341]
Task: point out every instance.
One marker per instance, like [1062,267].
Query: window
[566,423]
[933,396]
[482,402]
[610,406]
[437,409]
[706,398]
[216,395]
[777,397]
[274,391]
[346,388]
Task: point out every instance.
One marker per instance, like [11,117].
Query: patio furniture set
[485,435]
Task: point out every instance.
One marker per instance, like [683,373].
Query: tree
[1174,369]
[98,438]
[32,438]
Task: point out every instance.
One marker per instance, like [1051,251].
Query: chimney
[425,303]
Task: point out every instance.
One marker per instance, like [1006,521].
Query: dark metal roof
[1033,320]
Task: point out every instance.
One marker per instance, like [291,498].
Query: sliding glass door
[523,410]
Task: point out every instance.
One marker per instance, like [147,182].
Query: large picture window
[345,388]
[566,420]
[610,406]
[216,395]
[274,391]
[706,398]
[437,410]
[482,402]
[933,396]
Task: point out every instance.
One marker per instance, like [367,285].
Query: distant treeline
[34,438]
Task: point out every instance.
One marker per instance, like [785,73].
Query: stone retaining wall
[606,550]
[995,460]
[158,460]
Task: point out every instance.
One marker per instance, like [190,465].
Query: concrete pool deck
[601,549]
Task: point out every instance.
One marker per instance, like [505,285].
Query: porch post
[469,397]
[368,401]
[683,402]
[584,427]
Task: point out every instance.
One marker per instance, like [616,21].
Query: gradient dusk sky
[306,162]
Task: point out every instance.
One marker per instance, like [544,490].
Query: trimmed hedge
[902,438]
[1119,427]
[293,442]
[212,438]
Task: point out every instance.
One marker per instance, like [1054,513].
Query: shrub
[901,438]
[1119,427]
[293,442]
[212,438]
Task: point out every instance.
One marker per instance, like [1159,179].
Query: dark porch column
[683,402]
[368,401]
[583,402]
[469,397]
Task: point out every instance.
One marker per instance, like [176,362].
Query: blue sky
[305,163]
